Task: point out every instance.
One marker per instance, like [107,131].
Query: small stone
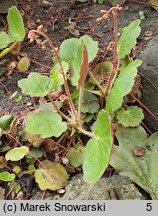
[61,191]
[38,20]
[65,160]
[46,4]
[20,195]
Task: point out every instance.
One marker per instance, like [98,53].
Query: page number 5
[149,206]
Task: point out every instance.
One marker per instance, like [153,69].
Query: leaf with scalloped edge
[17,154]
[6,176]
[137,157]
[128,38]
[132,117]
[98,149]
[36,85]
[122,86]
[51,175]
[75,155]
[68,50]
[46,124]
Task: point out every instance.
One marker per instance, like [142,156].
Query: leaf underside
[127,160]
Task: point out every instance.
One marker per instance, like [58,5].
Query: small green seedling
[141,15]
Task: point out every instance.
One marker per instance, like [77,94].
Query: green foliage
[57,76]
[46,124]
[122,86]
[17,154]
[36,85]
[23,64]
[5,122]
[141,15]
[6,176]
[90,103]
[15,24]
[75,156]
[97,152]
[132,117]
[76,103]
[16,31]
[51,176]
[74,56]
[128,38]
[136,157]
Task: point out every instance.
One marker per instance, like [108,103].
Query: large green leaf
[132,117]
[128,38]
[97,152]
[71,52]
[57,76]
[16,25]
[46,124]
[68,50]
[17,154]
[36,85]
[122,86]
[6,176]
[137,157]
[4,40]
[51,176]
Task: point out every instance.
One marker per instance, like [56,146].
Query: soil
[55,17]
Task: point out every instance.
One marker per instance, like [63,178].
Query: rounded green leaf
[23,64]
[52,176]
[56,75]
[6,176]
[75,156]
[36,85]
[91,45]
[16,25]
[68,50]
[46,124]
[132,117]
[17,154]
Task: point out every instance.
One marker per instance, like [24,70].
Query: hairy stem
[80,103]
[54,50]
[114,71]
